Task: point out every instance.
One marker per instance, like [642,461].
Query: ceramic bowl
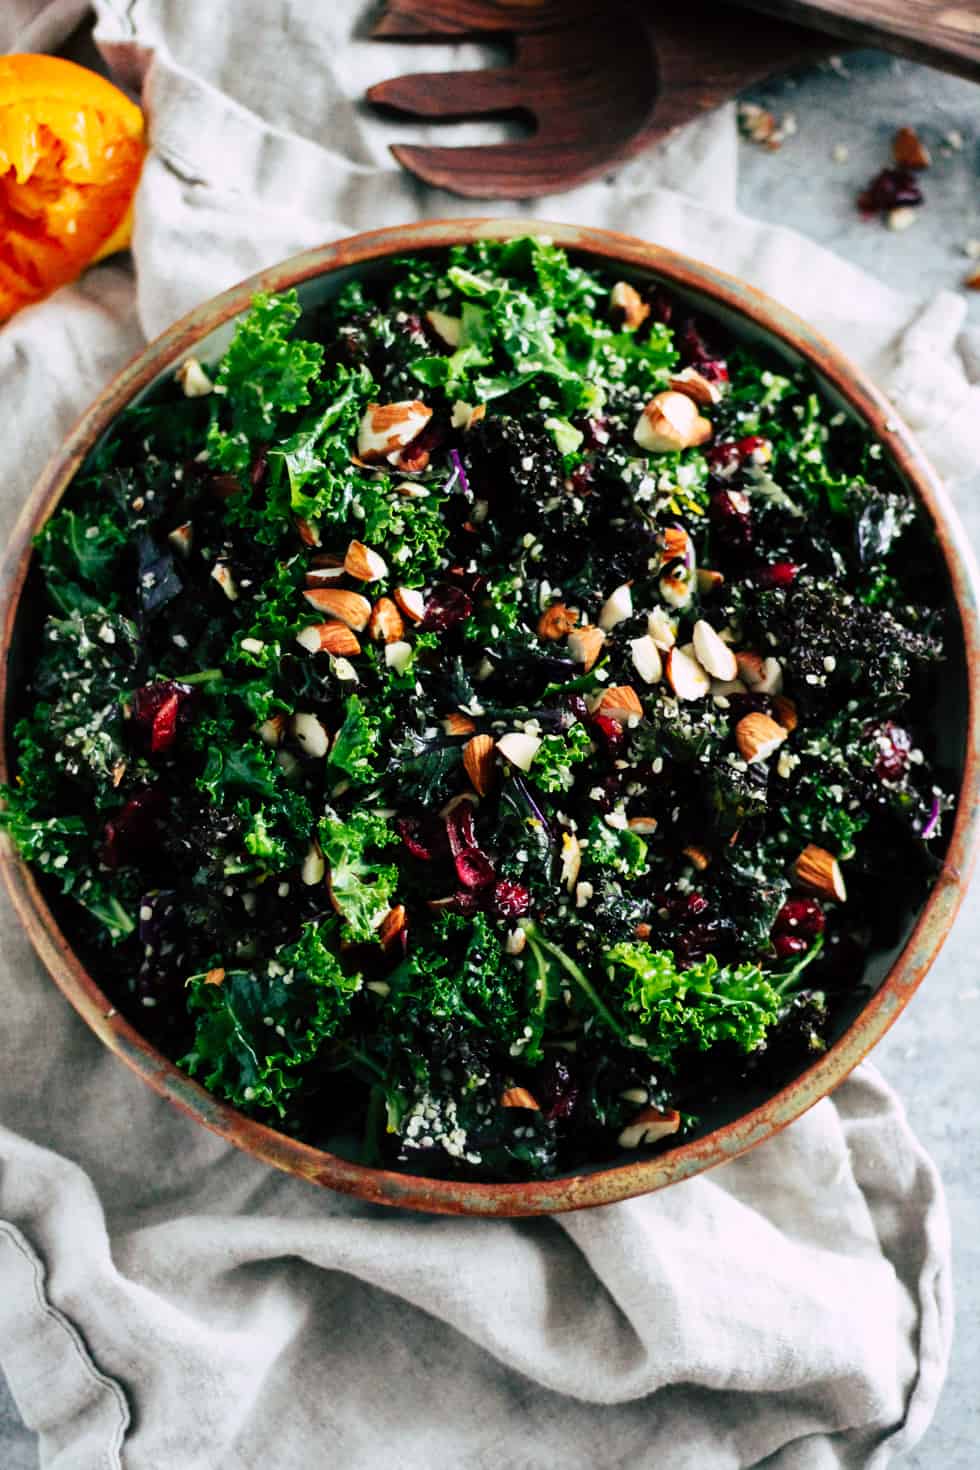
[956,721]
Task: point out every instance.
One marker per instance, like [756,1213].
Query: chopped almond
[386,625]
[364,563]
[620,703]
[585,645]
[518,1097]
[909,151]
[696,387]
[479,762]
[643,826]
[698,856]
[556,622]
[757,736]
[627,300]
[457,724]
[410,601]
[215,976]
[685,675]
[388,428]
[676,542]
[785,711]
[669,422]
[391,926]
[649,1126]
[713,654]
[334,638]
[350,607]
[818,869]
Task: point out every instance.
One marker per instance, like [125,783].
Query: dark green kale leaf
[87,666]
[698,1007]
[617,848]
[80,553]
[264,375]
[557,755]
[465,978]
[258,1029]
[356,743]
[424,768]
[361,888]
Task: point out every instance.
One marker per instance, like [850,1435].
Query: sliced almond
[617,607]
[324,576]
[364,563]
[818,869]
[314,868]
[309,533]
[709,581]
[388,428]
[627,300]
[909,151]
[646,660]
[193,380]
[696,387]
[519,748]
[585,645]
[518,1097]
[225,578]
[479,763]
[181,538]
[556,621]
[642,826]
[762,675]
[448,329]
[661,627]
[457,724]
[334,638]
[571,859]
[350,607]
[311,734]
[670,422]
[675,543]
[712,654]
[272,730]
[620,703]
[685,675]
[723,687]
[757,736]
[649,1126]
[699,857]
[386,624]
[391,926]
[785,711]
[677,586]
[410,601]
[516,942]
[398,655]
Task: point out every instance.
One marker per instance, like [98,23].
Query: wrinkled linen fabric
[166,1303]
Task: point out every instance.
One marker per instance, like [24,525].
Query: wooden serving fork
[602,79]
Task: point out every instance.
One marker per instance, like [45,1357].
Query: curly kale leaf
[264,375]
[617,848]
[424,768]
[356,743]
[80,552]
[322,483]
[698,1007]
[87,665]
[466,978]
[557,754]
[361,888]
[258,1029]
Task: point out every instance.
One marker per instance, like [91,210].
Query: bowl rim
[611,1182]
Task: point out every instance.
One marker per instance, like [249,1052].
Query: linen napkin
[166,1303]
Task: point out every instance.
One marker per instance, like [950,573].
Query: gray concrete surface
[930,1055]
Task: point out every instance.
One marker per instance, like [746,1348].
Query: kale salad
[477,721]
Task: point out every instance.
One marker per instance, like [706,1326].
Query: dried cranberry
[595,431]
[459,828]
[723,458]
[259,470]
[420,837]
[731,519]
[893,188]
[582,479]
[474,869]
[800,916]
[156,709]
[894,747]
[661,306]
[711,936]
[447,605]
[696,353]
[612,733]
[556,1089]
[750,445]
[510,900]
[578,707]
[777,574]
[135,829]
[787,946]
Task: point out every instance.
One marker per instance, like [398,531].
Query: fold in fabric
[791,1310]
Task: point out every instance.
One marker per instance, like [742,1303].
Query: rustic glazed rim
[609,1183]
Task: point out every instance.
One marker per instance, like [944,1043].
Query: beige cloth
[168,1304]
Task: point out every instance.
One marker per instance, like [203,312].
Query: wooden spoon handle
[943,33]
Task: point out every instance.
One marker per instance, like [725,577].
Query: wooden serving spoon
[601,80]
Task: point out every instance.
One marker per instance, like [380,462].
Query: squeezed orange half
[71,150]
